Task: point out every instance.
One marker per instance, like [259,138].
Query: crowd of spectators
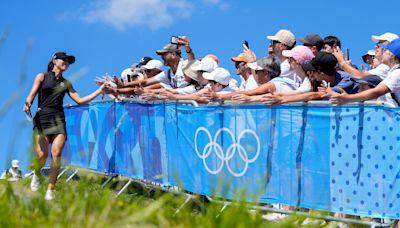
[315,70]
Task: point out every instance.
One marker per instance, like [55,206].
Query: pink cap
[300,53]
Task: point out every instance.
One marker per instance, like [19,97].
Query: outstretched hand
[241,98]
[272,98]
[210,95]
[339,98]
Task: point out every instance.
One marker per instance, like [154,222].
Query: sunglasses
[239,64]
[273,42]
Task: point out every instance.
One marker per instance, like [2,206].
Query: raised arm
[184,40]
[345,65]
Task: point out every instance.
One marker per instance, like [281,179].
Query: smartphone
[347,54]
[128,77]
[245,43]
[174,39]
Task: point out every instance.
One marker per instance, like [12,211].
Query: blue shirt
[343,80]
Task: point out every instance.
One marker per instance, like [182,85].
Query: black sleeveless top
[51,92]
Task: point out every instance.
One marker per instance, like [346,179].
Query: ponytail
[50,66]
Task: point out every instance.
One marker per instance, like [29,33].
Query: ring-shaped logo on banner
[225,157]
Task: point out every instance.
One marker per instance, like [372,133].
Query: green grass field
[81,203]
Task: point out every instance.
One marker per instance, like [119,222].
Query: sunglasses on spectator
[273,42]
[212,82]
[239,64]
[261,71]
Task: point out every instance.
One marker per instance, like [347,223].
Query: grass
[81,203]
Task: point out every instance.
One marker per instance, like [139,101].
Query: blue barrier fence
[337,159]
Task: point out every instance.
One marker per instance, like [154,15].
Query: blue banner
[337,159]
[141,144]
[91,137]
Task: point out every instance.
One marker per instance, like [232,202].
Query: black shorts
[50,123]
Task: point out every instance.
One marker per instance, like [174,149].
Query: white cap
[385,36]
[131,72]
[284,36]
[371,52]
[220,75]
[15,164]
[207,64]
[154,64]
[254,66]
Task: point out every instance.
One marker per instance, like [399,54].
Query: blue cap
[393,47]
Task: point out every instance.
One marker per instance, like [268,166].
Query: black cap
[313,40]
[169,48]
[143,61]
[64,56]
[307,66]
[371,80]
[323,61]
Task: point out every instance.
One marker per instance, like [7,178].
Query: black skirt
[50,122]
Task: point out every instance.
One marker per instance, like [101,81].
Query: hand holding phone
[249,54]
[246,44]
[174,39]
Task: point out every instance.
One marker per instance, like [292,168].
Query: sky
[107,36]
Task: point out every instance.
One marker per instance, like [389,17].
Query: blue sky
[107,36]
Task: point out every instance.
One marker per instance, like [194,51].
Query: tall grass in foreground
[82,204]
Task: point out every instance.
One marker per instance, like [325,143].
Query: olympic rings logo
[213,147]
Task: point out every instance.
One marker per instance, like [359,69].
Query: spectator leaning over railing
[277,83]
[297,57]
[283,40]
[266,70]
[195,75]
[192,78]
[219,80]
[248,81]
[172,77]
[49,121]
[381,70]
[324,67]
[391,84]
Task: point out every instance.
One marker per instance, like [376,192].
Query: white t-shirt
[248,84]
[392,81]
[176,80]
[227,89]
[187,90]
[305,86]
[381,70]
[284,84]
[287,72]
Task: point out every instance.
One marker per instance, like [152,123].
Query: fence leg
[123,188]
[72,175]
[188,198]
[106,182]
[222,209]
[62,173]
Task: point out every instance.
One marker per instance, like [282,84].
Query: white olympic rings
[213,146]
